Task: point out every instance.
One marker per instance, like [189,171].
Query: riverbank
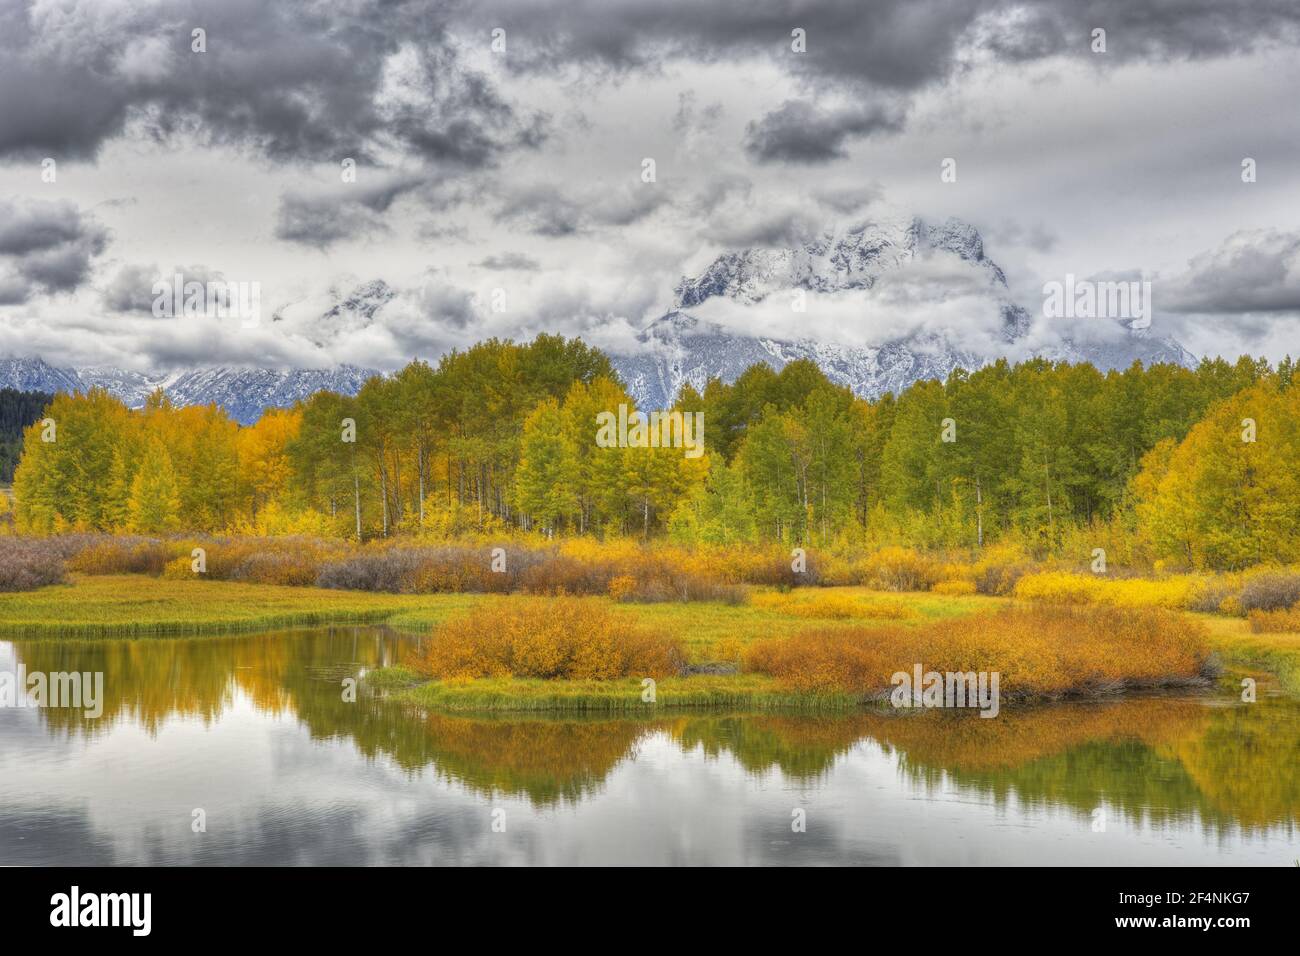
[714,637]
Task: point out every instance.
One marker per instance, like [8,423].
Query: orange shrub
[549,638]
[622,587]
[1036,651]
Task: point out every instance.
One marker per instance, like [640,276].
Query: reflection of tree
[1247,763]
[1158,758]
[1161,759]
[802,747]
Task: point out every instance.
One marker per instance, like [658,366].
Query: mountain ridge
[681,347]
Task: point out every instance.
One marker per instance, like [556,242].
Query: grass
[140,606]
[624,696]
[133,605]
[1240,647]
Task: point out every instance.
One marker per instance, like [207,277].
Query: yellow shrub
[181,568]
[829,605]
[954,588]
[1064,587]
[901,569]
[1275,622]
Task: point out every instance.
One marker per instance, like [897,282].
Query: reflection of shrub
[27,563]
[1270,591]
[1275,622]
[547,638]
[1035,650]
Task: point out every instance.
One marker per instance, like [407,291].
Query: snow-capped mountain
[34,375]
[680,347]
[243,392]
[350,313]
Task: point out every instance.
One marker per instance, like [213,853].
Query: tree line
[502,437]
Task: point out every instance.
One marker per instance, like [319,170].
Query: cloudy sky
[519,168]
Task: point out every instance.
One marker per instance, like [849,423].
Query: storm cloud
[45,247]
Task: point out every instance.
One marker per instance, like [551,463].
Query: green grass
[132,605]
[1239,647]
[502,695]
[708,630]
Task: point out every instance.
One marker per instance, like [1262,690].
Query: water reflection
[258,727]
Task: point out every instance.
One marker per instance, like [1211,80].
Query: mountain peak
[838,259]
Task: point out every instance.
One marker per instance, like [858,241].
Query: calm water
[254,730]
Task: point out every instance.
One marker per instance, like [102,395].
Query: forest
[1191,468]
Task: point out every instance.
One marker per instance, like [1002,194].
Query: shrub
[122,555]
[547,638]
[998,570]
[1211,594]
[1275,622]
[955,588]
[1066,587]
[1271,590]
[1036,651]
[830,605]
[27,563]
[901,569]
[622,587]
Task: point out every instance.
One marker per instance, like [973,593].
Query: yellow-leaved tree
[1228,495]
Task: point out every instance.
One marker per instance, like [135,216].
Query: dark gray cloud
[45,246]
[763,227]
[131,289]
[293,79]
[802,132]
[849,199]
[545,210]
[346,211]
[1251,271]
[895,44]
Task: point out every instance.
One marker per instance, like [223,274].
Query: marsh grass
[508,695]
[138,606]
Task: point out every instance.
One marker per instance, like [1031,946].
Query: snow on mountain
[243,392]
[35,375]
[350,313]
[680,347]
